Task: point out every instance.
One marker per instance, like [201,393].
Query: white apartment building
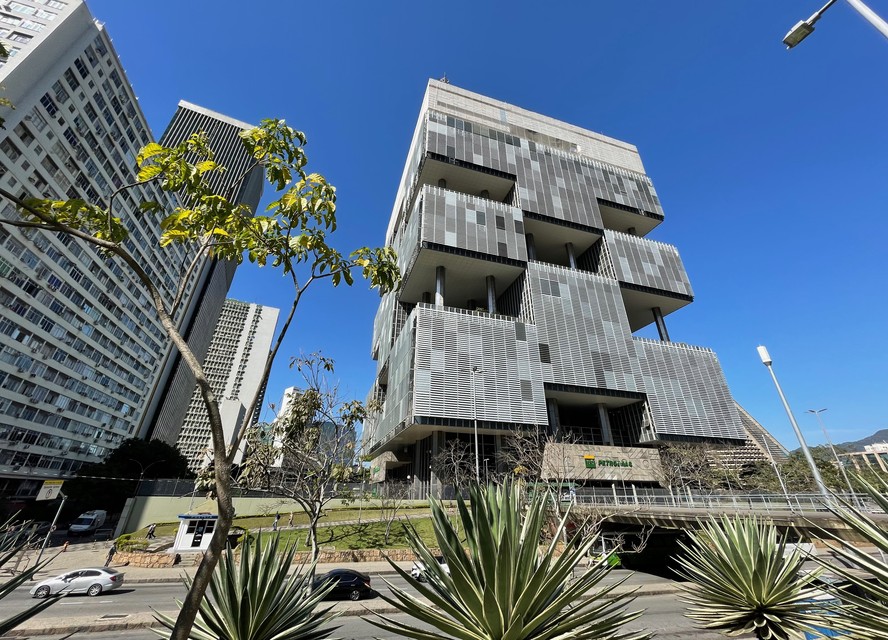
[81,346]
[234,364]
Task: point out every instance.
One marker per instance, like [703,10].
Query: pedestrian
[290,520]
[274,525]
[111,553]
[150,535]
[65,546]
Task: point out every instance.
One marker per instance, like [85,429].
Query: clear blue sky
[772,166]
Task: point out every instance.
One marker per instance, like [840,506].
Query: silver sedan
[91,581]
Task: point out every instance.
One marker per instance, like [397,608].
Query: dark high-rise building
[240,183]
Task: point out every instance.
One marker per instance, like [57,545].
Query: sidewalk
[643,584]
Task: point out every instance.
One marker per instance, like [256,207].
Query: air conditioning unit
[59,409]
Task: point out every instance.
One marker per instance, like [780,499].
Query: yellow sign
[50,490]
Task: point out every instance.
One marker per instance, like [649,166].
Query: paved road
[129,599]
[663,617]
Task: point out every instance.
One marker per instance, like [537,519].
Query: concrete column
[531,246]
[603,418]
[554,420]
[439,286]
[661,324]
[571,255]
[491,294]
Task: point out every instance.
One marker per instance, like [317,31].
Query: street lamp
[766,360]
[476,369]
[143,470]
[805,28]
[817,413]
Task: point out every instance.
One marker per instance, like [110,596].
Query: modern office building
[170,399]
[527,272]
[82,349]
[234,364]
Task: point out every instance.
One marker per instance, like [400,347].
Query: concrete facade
[526,272]
[234,364]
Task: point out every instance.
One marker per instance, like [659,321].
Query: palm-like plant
[504,586]
[13,540]
[255,600]
[742,580]
[865,614]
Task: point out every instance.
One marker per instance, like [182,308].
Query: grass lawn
[370,535]
[265,522]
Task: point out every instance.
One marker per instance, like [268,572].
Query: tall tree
[292,236]
[134,458]
[307,454]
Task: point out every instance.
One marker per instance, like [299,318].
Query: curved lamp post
[804,28]
[766,360]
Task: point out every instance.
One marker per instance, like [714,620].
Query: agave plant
[13,540]
[865,614]
[255,600]
[502,584]
[743,579]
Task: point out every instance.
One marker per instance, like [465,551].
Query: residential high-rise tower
[82,348]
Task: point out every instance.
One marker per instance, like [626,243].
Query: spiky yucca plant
[742,580]
[255,600]
[503,586]
[865,614]
[13,539]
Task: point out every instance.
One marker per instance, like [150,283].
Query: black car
[348,583]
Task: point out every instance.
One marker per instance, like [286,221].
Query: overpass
[806,514]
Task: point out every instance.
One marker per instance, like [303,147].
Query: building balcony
[470,237]
[651,275]
[431,366]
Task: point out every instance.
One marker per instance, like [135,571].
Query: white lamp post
[766,360]
[805,28]
[476,369]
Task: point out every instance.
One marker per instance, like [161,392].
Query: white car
[91,581]
[418,570]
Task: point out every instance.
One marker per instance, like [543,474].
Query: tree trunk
[388,529]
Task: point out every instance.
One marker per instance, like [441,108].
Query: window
[10,149]
[60,93]
[33,26]
[81,68]
[22,132]
[22,8]
[15,36]
[8,19]
[71,78]
[49,104]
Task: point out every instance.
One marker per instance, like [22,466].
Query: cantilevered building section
[81,344]
[234,364]
[241,182]
[522,243]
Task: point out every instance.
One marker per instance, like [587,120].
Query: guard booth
[195,532]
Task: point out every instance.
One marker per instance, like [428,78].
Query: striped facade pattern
[687,391]
[477,224]
[647,263]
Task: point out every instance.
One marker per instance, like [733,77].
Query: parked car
[87,523]
[347,583]
[91,581]
[418,570]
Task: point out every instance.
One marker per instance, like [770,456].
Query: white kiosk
[195,532]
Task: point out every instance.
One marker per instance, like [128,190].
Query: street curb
[147,621]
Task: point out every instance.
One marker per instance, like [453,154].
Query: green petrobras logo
[592,462]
